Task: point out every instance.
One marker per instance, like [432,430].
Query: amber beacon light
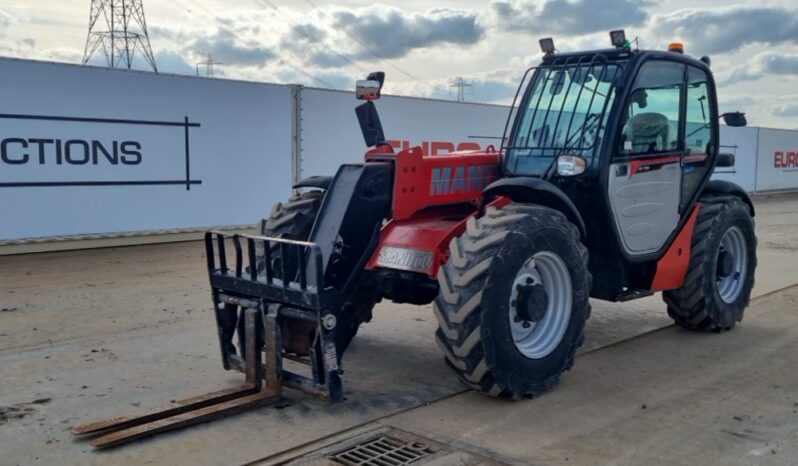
[677,47]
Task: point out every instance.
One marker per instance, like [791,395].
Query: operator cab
[630,137]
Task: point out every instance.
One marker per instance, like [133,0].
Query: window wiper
[590,122]
[587,126]
[550,169]
[700,128]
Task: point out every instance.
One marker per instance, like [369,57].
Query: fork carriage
[250,302]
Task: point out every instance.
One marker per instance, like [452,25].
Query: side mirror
[735,119]
[725,160]
[369,88]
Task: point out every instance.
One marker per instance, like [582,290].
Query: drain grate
[383,451]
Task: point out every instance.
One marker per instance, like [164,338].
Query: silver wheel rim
[730,286]
[539,339]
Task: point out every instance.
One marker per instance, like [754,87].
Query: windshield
[564,111]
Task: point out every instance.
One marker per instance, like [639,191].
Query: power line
[46,30]
[372,51]
[290,65]
[307,36]
[197,6]
[299,69]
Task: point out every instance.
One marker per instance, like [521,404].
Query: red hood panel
[435,180]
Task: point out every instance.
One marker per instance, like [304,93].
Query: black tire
[473,306]
[294,220]
[697,305]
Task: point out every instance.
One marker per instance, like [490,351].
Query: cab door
[645,176]
[701,134]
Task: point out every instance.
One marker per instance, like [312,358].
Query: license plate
[413,260]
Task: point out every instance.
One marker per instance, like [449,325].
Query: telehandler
[601,188]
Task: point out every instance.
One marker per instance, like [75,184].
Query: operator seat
[648,132]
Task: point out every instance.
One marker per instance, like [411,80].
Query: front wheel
[513,300]
[717,287]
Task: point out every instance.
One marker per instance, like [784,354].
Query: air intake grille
[383,451]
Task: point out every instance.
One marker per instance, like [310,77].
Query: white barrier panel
[97,151]
[742,143]
[330,135]
[777,160]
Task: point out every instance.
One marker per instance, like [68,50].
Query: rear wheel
[294,220]
[513,300]
[717,287]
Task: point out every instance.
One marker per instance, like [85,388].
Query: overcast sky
[424,46]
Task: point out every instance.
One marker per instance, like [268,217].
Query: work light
[618,38]
[570,165]
[547,45]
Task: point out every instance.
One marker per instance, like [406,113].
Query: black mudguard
[729,188]
[537,191]
[320,182]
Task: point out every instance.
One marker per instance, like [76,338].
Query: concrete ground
[86,335]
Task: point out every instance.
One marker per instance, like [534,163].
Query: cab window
[699,130]
[698,134]
[652,118]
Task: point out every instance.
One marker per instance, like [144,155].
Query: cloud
[225,47]
[310,43]
[761,65]
[322,78]
[231,45]
[336,80]
[394,33]
[494,86]
[779,63]
[6,18]
[720,30]
[326,37]
[567,16]
[786,110]
[67,55]
[169,61]
[486,90]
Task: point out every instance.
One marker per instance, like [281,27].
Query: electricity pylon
[119,28]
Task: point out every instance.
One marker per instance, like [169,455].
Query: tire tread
[462,280]
[689,306]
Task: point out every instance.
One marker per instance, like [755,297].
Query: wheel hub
[725,263]
[731,265]
[532,302]
[540,305]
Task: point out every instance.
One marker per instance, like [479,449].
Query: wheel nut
[329,322]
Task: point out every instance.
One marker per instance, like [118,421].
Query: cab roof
[618,55]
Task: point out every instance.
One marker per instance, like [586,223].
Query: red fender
[672,267]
